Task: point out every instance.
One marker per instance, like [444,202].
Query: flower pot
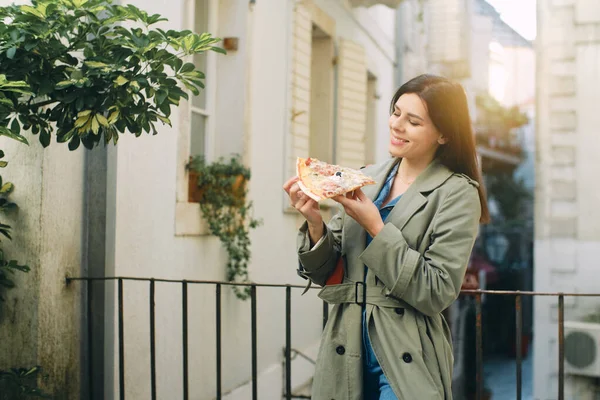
[195,192]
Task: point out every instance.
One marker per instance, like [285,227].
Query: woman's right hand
[308,207]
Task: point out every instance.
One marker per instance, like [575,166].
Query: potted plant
[220,189]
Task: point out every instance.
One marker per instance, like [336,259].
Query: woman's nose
[397,125]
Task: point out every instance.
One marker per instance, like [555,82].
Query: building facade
[301,78]
[567,235]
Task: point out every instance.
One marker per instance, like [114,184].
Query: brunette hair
[446,103]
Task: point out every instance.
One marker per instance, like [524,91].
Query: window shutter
[301,61]
[352,105]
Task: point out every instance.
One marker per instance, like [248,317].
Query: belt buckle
[364,293]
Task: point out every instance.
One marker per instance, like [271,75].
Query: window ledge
[189,221]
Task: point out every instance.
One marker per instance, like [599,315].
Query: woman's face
[412,134]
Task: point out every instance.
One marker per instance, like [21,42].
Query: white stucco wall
[141,214]
[39,324]
[567,234]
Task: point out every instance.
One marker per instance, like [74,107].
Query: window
[351,127]
[329,94]
[200,121]
[321,95]
[197,119]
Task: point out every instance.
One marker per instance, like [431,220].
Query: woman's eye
[397,114]
[413,123]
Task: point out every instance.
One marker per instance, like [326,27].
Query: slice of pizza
[320,180]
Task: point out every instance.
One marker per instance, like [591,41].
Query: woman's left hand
[362,210]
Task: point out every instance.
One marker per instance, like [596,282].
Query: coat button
[407,358]
[399,311]
[340,350]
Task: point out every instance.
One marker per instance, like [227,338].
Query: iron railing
[288,329]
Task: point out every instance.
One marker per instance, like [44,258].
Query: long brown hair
[448,109]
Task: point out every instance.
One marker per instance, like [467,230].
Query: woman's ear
[442,140]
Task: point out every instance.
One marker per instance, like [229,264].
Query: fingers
[360,195]
[308,206]
[302,200]
[295,194]
[343,200]
[288,185]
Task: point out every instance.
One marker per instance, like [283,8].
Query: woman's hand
[307,207]
[362,210]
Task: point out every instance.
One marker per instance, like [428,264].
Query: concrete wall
[40,324]
[567,233]
[142,240]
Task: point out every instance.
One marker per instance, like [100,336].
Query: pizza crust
[307,192]
[302,186]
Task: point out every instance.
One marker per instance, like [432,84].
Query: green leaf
[6,102]
[112,118]
[64,84]
[81,121]
[121,80]
[187,67]
[15,127]
[96,64]
[3,164]
[191,87]
[102,119]
[32,11]
[161,95]
[74,143]
[7,188]
[4,131]
[95,125]
[45,138]
[218,50]
[164,119]
[10,53]
[134,86]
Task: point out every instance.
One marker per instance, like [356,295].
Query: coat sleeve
[432,281]
[318,263]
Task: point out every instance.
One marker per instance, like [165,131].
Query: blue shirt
[374,379]
[383,194]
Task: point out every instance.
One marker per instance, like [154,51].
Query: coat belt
[359,293]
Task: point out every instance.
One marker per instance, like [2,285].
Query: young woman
[405,244]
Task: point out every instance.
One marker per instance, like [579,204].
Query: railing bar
[184,323]
[152,341]
[218,312]
[121,343]
[325,313]
[519,333]
[90,330]
[275,285]
[479,344]
[254,343]
[561,347]
[288,343]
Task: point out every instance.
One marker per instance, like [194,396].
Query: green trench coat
[416,266]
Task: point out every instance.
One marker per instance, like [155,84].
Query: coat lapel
[414,199]
[372,191]
[352,230]
[355,237]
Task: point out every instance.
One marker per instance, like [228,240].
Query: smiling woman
[404,245]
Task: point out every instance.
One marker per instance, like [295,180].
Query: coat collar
[413,199]
[431,178]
